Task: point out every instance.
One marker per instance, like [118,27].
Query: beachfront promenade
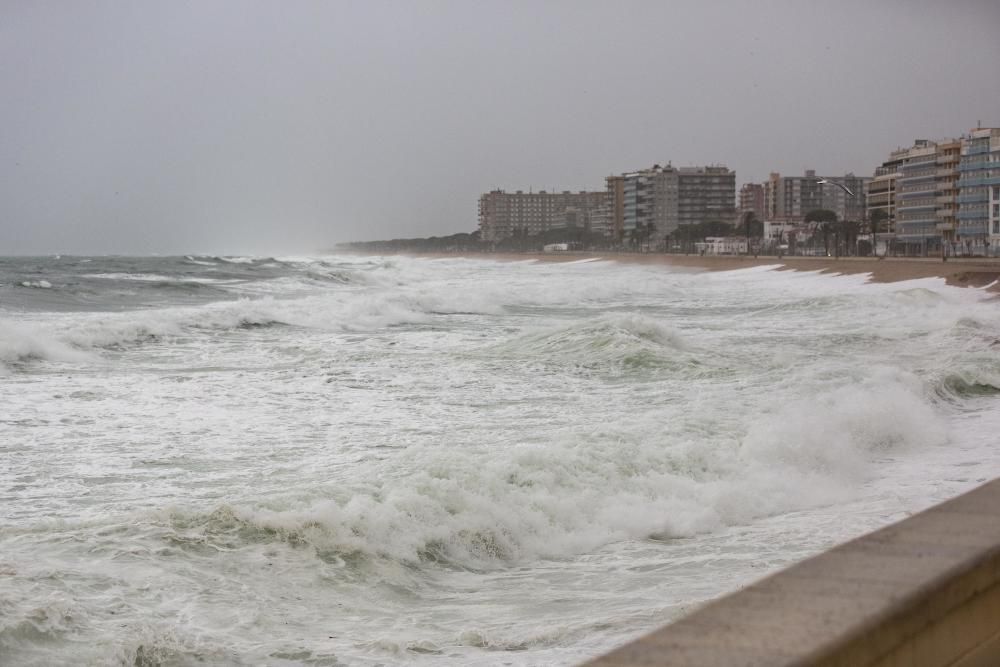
[919,593]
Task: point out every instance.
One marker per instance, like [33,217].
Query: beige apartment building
[880,193]
[752,200]
[505,214]
[616,205]
[918,188]
[667,197]
[949,155]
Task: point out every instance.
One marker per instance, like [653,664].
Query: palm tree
[876,218]
[749,222]
[827,220]
[633,237]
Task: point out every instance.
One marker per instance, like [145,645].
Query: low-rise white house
[723,245]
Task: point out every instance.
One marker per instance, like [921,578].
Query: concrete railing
[924,591]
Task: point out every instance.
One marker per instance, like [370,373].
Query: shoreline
[971,272]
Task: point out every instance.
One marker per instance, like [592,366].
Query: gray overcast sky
[239,126]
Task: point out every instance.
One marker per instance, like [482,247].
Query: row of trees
[462,242]
[838,237]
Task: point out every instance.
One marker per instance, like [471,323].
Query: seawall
[921,592]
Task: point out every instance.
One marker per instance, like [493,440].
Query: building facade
[667,197]
[505,214]
[919,189]
[752,200]
[790,198]
[948,158]
[978,199]
[648,197]
[880,194]
[615,192]
[916,200]
[705,194]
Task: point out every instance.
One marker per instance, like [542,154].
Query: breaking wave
[70,337]
[573,495]
[21,343]
[37,284]
[611,342]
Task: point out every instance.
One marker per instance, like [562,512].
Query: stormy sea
[347,460]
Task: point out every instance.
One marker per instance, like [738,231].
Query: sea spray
[406,461]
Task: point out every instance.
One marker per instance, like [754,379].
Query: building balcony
[945,226]
[981,214]
[970,182]
[973,198]
[976,149]
[921,219]
[978,181]
[916,236]
[917,176]
[973,166]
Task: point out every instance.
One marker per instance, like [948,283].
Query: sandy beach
[972,272]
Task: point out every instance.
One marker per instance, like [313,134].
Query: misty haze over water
[255,127]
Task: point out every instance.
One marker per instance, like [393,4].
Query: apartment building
[752,200]
[790,198]
[647,196]
[978,199]
[916,200]
[705,194]
[504,214]
[615,192]
[948,159]
[668,197]
[880,192]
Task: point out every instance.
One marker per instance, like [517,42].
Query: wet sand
[973,272]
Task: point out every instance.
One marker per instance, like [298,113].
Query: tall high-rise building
[916,200]
[790,198]
[880,193]
[948,158]
[667,197]
[918,189]
[706,194]
[615,192]
[504,214]
[752,200]
[979,192]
